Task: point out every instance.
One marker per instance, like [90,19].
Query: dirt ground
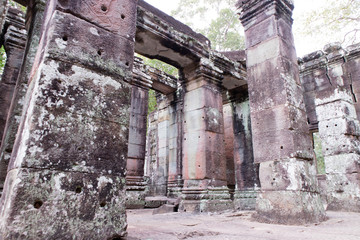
[142,224]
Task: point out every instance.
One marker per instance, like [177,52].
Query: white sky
[304,45]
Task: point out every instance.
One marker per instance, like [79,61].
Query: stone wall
[330,79]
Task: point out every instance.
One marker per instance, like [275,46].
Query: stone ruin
[233,131]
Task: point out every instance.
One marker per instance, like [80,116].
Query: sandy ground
[236,225]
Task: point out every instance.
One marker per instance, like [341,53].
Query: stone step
[166,208]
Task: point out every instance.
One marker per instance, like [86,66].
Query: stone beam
[289,190]
[67,169]
[153,78]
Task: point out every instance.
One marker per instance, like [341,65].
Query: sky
[304,45]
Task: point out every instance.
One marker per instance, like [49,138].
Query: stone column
[35,12]
[135,182]
[66,174]
[282,144]
[162,167]
[204,164]
[14,44]
[339,131]
[175,181]
[229,138]
[246,171]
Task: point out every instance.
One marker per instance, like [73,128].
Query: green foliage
[16,5]
[2,59]
[224,30]
[152,101]
[171,70]
[336,21]
[318,153]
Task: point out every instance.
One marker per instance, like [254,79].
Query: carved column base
[289,207]
[245,199]
[175,187]
[136,190]
[208,199]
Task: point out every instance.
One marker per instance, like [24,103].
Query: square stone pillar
[14,44]
[66,175]
[175,182]
[15,39]
[339,131]
[281,140]
[35,12]
[245,170]
[204,164]
[136,188]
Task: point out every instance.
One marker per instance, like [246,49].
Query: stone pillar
[282,144]
[229,138]
[204,164]
[35,12]
[66,175]
[3,10]
[151,151]
[175,181]
[162,168]
[339,131]
[15,39]
[135,182]
[246,171]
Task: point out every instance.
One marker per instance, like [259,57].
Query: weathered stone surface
[73,135]
[16,107]
[56,204]
[135,182]
[280,136]
[289,207]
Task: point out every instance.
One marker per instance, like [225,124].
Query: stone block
[271,85]
[337,109]
[137,135]
[270,49]
[203,97]
[115,16]
[36,204]
[139,101]
[136,151]
[83,92]
[66,42]
[204,156]
[135,166]
[207,119]
[335,95]
[268,28]
[290,175]
[344,163]
[282,144]
[289,207]
[343,192]
[277,118]
[339,126]
[166,208]
[339,144]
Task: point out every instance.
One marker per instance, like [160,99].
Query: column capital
[255,11]
[206,68]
